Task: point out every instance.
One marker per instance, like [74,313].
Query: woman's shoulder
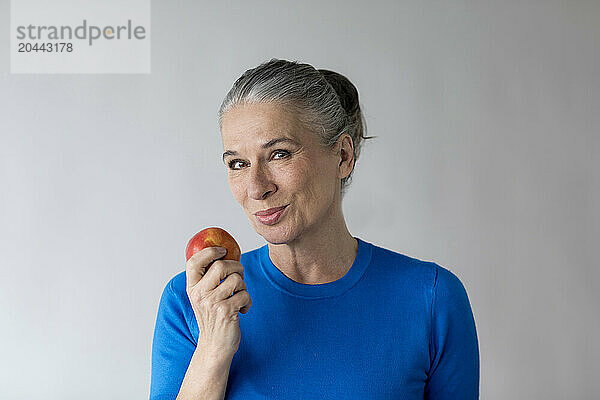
[177,284]
[397,262]
[400,261]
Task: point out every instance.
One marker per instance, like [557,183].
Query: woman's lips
[272,218]
[269,211]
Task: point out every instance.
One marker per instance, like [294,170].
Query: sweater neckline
[330,289]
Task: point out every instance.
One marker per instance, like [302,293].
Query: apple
[210,237]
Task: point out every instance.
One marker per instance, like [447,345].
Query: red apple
[210,237]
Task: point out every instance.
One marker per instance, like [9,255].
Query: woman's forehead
[259,124]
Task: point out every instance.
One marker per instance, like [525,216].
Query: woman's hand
[217,293]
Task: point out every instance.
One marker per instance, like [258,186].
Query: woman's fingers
[211,280]
[218,272]
[239,302]
[217,293]
[197,265]
[242,301]
[232,284]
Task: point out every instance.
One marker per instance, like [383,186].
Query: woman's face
[273,161]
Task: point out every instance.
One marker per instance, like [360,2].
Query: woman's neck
[317,257]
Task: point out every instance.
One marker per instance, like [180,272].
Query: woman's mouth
[271,218]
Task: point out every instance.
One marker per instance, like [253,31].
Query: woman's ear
[346,156]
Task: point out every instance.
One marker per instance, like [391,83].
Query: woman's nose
[261,184]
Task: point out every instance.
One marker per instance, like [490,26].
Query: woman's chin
[274,235]
[273,238]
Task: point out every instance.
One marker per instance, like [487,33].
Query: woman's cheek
[235,184]
[294,173]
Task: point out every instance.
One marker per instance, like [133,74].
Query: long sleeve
[172,347]
[454,349]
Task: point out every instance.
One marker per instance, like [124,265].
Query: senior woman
[325,315]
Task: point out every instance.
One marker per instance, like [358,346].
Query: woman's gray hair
[324,101]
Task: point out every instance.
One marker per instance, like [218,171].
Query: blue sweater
[393,327]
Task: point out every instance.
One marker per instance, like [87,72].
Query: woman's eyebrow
[270,143]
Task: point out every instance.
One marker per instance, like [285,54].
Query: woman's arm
[454,349]
[180,369]
[206,377]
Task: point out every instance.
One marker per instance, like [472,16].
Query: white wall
[486,162]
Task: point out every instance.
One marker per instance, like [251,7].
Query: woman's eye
[234,162]
[282,152]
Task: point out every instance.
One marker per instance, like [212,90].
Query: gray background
[487,117]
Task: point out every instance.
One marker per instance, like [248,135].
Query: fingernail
[222,250]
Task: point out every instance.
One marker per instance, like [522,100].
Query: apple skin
[211,237]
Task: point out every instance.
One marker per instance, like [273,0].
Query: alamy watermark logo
[70,36]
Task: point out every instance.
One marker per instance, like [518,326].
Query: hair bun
[345,90]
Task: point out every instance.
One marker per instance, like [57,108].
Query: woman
[325,315]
